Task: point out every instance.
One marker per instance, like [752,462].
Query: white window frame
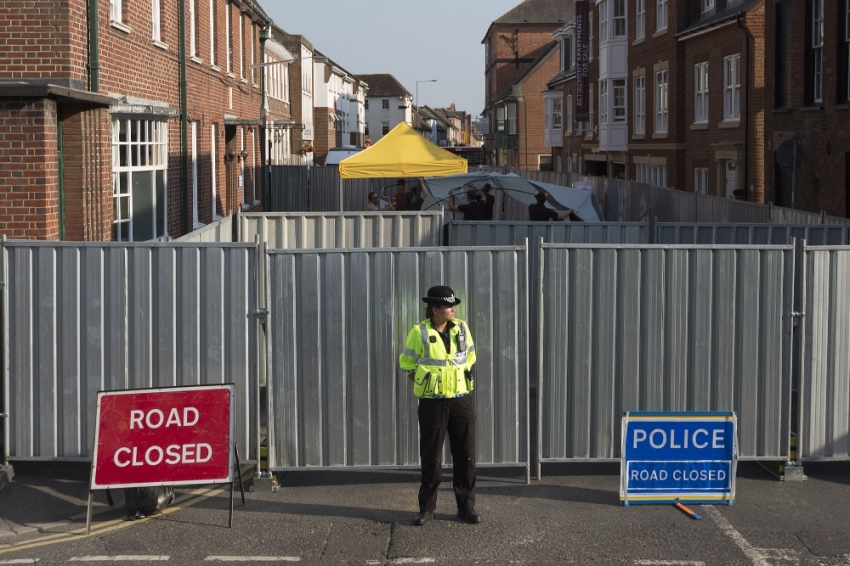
[156,20]
[603,102]
[144,150]
[640,104]
[603,23]
[817,51]
[619,23]
[116,12]
[660,15]
[618,101]
[193,140]
[193,28]
[707,6]
[241,45]
[732,88]
[385,104]
[640,19]
[570,113]
[511,118]
[589,132]
[228,29]
[701,92]
[701,180]
[557,113]
[213,165]
[213,31]
[661,102]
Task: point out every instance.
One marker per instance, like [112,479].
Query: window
[245,199]
[589,132]
[557,113]
[366,104]
[817,51]
[603,102]
[512,127]
[619,19]
[241,45]
[227,33]
[784,56]
[700,180]
[707,5]
[570,113]
[654,175]
[640,105]
[139,182]
[567,59]
[385,104]
[115,12]
[156,20]
[701,93]
[603,23]
[213,31]
[732,87]
[640,18]
[385,128]
[251,43]
[213,162]
[590,38]
[193,28]
[846,66]
[661,102]
[194,142]
[500,118]
[619,108]
[661,15]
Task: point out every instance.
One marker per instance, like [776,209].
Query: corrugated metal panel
[220,231]
[336,395]
[343,229]
[663,328]
[325,189]
[779,234]
[288,188]
[467,234]
[825,389]
[89,317]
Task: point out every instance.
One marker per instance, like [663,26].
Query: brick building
[520,58]
[807,104]
[277,108]
[93,143]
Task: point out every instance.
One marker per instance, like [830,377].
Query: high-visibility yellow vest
[439,373]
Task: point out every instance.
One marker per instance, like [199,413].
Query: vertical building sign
[582,62]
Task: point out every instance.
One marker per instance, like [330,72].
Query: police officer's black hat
[441,295]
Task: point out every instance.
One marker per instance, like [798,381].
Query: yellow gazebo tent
[402,153]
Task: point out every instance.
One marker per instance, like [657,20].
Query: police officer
[438,356]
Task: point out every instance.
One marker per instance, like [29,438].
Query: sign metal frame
[712,469]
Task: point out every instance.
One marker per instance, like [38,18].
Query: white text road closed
[689,457]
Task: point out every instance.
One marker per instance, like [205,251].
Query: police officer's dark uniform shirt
[473,210]
[538,211]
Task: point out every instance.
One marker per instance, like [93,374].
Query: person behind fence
[438,357]
[472,210]
[378,203]
[399,198]
[538,210]
[489,201]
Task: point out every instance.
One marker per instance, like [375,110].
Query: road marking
[182,502]
[756,555]
[253,559]
[20,561]
[412,561]
[119,558]
[670,562]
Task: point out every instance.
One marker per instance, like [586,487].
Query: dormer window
[707,6]
[567,53]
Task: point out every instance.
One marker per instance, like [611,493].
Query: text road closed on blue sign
[687,457]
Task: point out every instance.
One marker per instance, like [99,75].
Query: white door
[730,179]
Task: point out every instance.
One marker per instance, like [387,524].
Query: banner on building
[582,61]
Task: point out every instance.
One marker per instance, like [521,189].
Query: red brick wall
[29,207]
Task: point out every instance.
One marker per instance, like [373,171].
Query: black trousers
[457,417]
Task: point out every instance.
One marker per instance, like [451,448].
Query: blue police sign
[687,457]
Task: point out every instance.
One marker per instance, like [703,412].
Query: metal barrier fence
[681,328]
[337,397]
[313,230]
[824,432]
[218,232]
[288,188]
[778,234]
[82,317]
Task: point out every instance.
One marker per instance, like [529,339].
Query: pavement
[571,516]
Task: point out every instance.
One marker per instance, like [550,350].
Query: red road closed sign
[178,435]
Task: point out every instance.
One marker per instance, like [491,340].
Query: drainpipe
[746,186]
[94,59]
[265,158]
[184,119]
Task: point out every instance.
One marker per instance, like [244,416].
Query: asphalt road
[571,516]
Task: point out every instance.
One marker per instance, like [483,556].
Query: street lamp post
[416,102]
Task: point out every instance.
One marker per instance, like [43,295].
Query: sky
[413,41]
